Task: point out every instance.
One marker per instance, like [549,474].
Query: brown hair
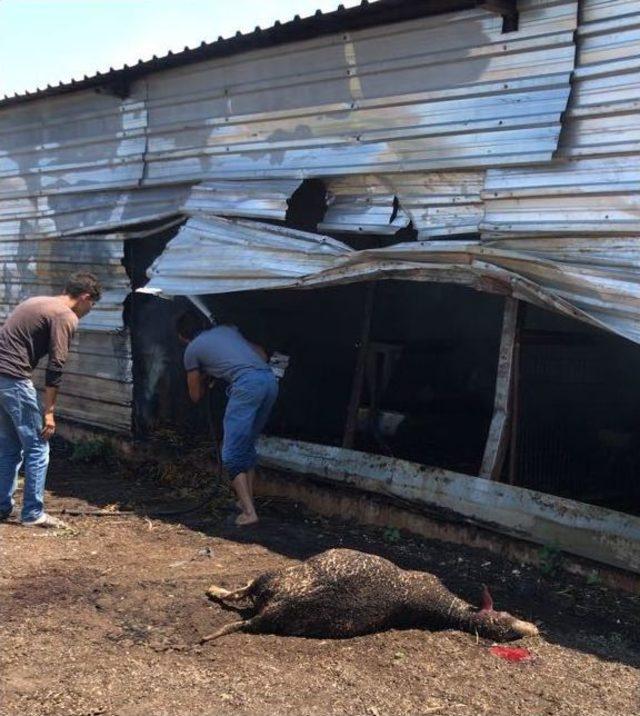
[189,324]
[83,282]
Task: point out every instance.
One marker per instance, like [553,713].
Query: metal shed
[503,136]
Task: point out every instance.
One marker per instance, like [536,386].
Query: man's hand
[49,426]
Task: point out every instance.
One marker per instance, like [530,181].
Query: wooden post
[498,437]
[359,372]
[515,402]
[515,408]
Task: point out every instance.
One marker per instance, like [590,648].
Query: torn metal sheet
[435,203]
[369,215]
[264,199]
[440,203]
[218,256]
[596,533]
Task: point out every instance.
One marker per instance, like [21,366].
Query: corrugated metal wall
[96,388]
[581,213]
[428,119]
[449,91]
[67,169]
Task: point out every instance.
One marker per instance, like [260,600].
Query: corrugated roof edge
[367,14]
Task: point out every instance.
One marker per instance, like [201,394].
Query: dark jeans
[251,398]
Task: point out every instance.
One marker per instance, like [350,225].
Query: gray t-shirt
[222,352]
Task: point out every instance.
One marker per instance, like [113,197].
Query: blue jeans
[20,426]
[251,397]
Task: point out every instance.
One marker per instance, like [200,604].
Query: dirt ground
[105,619]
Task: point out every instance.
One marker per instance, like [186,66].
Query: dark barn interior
[429,379]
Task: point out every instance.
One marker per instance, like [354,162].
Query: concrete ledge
[351,504]
[595,533]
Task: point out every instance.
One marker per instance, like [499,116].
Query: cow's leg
[225,595]
[254,624]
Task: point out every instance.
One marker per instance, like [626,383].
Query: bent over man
[38,326]
[222,352]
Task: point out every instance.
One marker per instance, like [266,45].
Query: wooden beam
[359,372]
[498,437]
[515,399]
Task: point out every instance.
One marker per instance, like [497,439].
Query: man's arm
[197,384]
[49,422]
[62,329]
[260,351]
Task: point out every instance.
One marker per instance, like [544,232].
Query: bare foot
[244,519]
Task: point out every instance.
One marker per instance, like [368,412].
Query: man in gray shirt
[38,326]
[222,352]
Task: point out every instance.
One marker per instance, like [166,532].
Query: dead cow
[342,593]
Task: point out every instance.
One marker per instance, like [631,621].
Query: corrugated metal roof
[367,14]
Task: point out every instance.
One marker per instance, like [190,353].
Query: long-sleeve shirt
[36,327]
